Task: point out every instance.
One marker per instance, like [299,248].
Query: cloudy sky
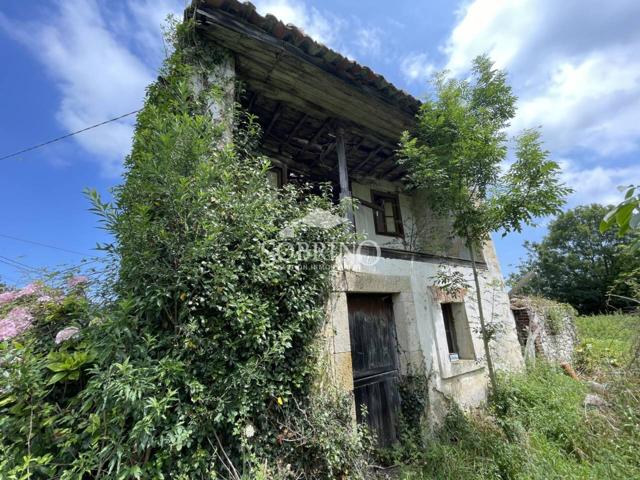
[68,64]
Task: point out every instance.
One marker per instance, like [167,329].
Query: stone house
[326,118]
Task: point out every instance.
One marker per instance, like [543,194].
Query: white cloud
[573,64]
[101,57]
[417,67]
[142,21]
[597,184]
[368,40]
[95,69]
[320,26]
[496,27]
[592,104]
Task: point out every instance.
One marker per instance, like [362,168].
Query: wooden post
[343,173]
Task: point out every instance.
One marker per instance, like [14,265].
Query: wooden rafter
[330,148]
[357,146]
[274,119]
[315,137]
[293,132]
[372,154]
[371,169]
[394,167]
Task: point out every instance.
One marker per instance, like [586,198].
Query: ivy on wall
[203,363]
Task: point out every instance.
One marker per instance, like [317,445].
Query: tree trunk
[485,336]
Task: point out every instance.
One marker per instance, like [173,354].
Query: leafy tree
[455,155]
[577,264]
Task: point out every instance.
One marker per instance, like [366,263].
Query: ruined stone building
[326,118]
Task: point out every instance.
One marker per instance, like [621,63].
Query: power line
[31,270]
[18,265]
[41,244]
[67,135]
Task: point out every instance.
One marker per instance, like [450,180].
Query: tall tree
[577,264]
[455,154]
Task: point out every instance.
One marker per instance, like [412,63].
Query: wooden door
[375,363]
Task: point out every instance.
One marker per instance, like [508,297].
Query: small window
[386,214]
[274,176]
[456,328]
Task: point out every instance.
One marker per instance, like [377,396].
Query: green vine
[201,364]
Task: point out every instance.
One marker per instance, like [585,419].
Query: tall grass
[537,427]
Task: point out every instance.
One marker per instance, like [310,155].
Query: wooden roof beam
[274,119]
[330,148]
[293,132]
[316,136]
[372,154]
[357,146]
[394,167]
[370,170]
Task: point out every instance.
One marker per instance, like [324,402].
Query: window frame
[397,214]
[457,332]
[450,328]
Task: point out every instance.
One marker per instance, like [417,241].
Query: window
[456,328]
[274,175]
[386,214]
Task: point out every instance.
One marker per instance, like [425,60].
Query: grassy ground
[536,426]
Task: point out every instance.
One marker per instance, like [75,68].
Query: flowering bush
[66,334]
[17,321]
[30,402]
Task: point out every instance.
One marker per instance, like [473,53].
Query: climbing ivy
[203,361]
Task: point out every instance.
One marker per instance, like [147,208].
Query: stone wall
[547,327]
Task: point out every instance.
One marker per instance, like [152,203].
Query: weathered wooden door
[375,364]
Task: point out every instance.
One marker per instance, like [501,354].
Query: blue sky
[68,64]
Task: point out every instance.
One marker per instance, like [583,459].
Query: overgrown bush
[202,363]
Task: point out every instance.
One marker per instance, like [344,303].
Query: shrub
[209,346]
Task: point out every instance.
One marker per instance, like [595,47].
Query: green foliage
[625,215]
[320,439]
[606,343]
[536,427]
[555,320]
[39,379]
[208,348]
[66,366]
[577,264]
[413,434]
[455,153]
[451,282]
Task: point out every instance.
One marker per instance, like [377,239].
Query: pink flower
[77,280]
[53,298]
[16,322]
[8,297]
[66,334]
[30,289]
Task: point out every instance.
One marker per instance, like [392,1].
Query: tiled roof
[330,60]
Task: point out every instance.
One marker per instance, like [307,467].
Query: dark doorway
[375,364]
